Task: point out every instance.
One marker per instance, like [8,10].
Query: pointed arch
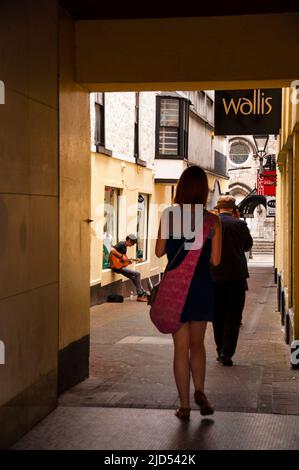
[239,188]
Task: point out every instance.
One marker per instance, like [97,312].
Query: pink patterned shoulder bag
[173,289]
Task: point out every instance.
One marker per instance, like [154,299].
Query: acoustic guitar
[118,263]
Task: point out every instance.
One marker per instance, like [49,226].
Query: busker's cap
[132,237]
[226,202]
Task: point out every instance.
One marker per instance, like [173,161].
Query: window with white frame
[172,127]
[142,226]
[110,226]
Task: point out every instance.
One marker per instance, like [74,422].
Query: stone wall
[119,125]
[243,179]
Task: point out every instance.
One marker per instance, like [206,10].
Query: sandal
[203,403]
[183,413]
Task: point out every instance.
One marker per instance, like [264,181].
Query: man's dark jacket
[236,240]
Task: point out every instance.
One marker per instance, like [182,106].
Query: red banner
[266,183]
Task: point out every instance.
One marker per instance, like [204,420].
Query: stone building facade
[243,165]
[206,149]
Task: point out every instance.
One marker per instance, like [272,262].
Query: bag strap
[210,222]
[175,257]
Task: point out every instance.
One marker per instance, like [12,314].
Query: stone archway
[239,188]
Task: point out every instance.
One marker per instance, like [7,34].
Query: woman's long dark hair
[192,187]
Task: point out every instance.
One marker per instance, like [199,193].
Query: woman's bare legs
[190,354]
[197,331]
[181,364]
[198,365]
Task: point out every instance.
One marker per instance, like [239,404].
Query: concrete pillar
[74,181]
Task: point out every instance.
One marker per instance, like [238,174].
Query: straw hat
[226,202]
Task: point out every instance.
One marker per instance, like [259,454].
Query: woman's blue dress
[199,303]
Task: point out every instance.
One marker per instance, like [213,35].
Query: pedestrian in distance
[230,279]
[189,349]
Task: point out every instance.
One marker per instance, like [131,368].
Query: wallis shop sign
[248,112]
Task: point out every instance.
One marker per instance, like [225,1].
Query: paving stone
[130,357]
[128,401]
[117,428]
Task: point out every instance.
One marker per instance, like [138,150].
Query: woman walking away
[189,350]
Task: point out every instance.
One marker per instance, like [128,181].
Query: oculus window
[239,152]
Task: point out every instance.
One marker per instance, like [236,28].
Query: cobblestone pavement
[131,363]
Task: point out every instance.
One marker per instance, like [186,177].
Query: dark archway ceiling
[97,9]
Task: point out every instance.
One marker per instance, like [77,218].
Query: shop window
[142,226]
[110,227]
[172,127]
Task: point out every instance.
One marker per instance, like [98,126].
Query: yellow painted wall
[203,53]
[278,221]
[131,180]
[286,227]
[295,238]
[289,211]
[287,241]
[74,267]
[28,214]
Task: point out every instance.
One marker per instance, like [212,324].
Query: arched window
[239,152]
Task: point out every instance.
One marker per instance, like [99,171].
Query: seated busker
[119,262]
